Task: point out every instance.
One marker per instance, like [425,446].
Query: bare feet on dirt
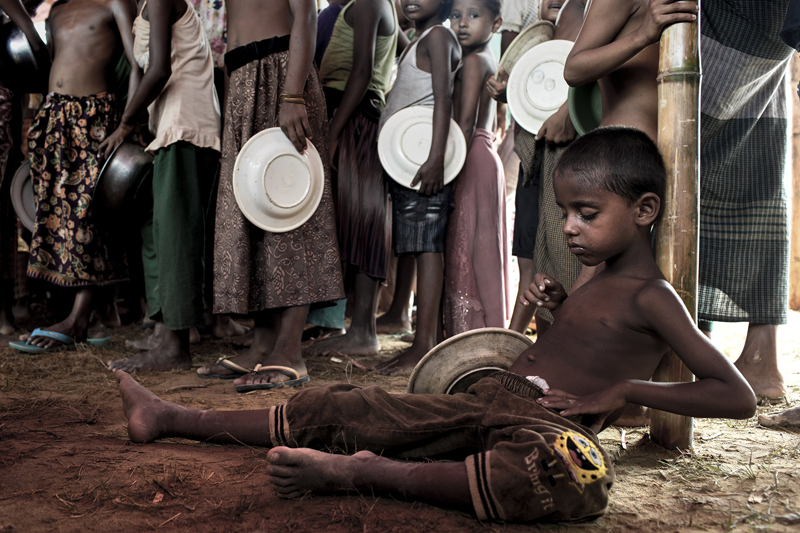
[172,353]
[142,408]
[295,472]
[351,343]
[225,328]
[7,326]
[758,362]
[391,324]
[402,364]
[787,418]
[5,339]
[150,339]
[242,341]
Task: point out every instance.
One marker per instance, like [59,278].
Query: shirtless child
[273,277]
[524,459]
[64,141]
[618,48]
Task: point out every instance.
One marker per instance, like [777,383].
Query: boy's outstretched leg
[758,362]
[151,418]
[295,472]
[430,280]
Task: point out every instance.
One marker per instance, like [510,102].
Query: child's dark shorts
[419,223]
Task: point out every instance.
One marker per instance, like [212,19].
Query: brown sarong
[64,139]
[254,269]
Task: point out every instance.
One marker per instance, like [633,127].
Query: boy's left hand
[497,88]
[601,403]
[430,177]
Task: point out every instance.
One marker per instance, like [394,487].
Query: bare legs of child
[429,296]
[758,361]
[276,341]
[75,325]
[361,338]
[293,472]
[396,319]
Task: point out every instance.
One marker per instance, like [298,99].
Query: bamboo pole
[794,261]
[677,234]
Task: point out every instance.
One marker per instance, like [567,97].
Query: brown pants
[523,461]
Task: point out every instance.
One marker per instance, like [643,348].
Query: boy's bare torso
[85,42]
[256,20]
[586,352]
[630,92]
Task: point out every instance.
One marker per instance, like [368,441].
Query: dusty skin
[68,464]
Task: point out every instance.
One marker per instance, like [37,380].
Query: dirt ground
[66,463]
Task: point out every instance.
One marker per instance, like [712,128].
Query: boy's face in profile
[598,224]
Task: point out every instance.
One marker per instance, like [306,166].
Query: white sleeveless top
[413,86]
[187,108]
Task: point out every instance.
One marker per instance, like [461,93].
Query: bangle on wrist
[292,98]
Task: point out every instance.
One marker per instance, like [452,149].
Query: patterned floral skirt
[67,248]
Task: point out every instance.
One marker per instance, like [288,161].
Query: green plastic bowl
[585,107]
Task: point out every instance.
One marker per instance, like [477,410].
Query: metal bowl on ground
[22,197]
[460,361]
[120,182]
[121,179]
[585,105]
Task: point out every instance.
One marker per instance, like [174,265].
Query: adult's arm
[366,19]
[155,78]
[124,13]
[293,118]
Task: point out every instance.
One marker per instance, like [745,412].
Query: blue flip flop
[98,341]
[67,342]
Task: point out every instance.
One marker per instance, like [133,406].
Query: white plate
[535,34]
[536,87]
[405,142]
[277,188]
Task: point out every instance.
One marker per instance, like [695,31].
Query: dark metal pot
[116,194]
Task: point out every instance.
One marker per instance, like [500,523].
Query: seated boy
[528,450]
[618,47]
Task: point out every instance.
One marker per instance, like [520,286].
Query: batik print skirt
[67,248]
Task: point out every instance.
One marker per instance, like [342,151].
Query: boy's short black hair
[444,10]
[624,161]
[495,7]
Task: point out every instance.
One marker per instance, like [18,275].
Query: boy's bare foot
[787,418]
[172,353]
[758,362]
[7,326]
[402,364]
[5,339]
[392,324]
[194,336]
[242,341]
[295,472]
[226,328]
[351,343]
[142,408]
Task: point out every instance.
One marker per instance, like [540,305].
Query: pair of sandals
[67,342]
[295,379]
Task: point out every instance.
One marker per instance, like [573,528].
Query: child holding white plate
[477,293]
[425,77]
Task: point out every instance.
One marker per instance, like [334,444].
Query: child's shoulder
[478,66]
[439,36]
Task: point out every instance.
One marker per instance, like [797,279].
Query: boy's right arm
[440,47]
[596,52]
